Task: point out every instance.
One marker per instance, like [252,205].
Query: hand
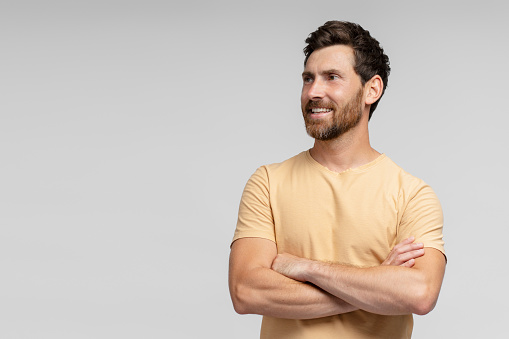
[404,253]
[290,266]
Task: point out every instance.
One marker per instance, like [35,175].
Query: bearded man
[338,241]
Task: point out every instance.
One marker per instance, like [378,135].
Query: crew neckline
[359,169]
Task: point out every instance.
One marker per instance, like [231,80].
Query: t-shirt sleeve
[255,214]
[422,218]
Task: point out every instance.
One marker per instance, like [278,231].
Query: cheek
[303,98]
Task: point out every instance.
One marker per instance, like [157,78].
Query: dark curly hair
[370,58]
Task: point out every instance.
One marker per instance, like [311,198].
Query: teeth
[320,110]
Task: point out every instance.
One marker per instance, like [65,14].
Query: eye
[307,80]
[333,77]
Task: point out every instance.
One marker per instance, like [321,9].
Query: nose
[316,90]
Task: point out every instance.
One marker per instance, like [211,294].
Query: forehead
[332,57]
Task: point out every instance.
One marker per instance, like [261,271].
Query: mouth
[320,110]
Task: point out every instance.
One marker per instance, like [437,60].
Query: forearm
[267,292]
[385,290]
[257,289]
[389,290]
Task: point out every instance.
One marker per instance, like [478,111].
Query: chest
[351,222]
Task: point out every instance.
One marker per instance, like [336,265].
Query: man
[313,231]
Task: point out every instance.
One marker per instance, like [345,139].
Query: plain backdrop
[129,128]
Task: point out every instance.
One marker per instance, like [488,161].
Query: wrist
[309,269]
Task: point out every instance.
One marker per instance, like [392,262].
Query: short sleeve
[255,218]
[422,218]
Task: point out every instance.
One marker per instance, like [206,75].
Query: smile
[320,110]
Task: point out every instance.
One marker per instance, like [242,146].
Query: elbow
[425,301]
[239,306]
[424,307]
[240,296]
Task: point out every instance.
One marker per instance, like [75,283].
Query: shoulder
[267,174]
[281,169]
[287,164]
[408,184]
[416,197]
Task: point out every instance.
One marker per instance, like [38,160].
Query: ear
[373,89]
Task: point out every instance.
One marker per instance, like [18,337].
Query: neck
[349,150]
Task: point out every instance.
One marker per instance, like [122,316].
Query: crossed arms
[284,286]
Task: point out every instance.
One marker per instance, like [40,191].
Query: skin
[341,120]
[382,290]
[329,77]
[256,287]
[285,286]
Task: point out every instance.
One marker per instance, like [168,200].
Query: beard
[343,118]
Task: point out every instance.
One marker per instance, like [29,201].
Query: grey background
[129,128]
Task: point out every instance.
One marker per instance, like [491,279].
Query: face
[332,93]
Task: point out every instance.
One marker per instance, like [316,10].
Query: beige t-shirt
[354,217]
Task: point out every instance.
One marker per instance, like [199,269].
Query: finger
[402,248]
[408,256]
[391,259]
[407,248]
[404,242]
[410,263]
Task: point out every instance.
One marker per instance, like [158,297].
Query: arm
[386,290]
[256,288]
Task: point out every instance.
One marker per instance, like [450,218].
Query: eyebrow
[307,74]
[329,71]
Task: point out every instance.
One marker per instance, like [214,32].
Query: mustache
[320,104]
